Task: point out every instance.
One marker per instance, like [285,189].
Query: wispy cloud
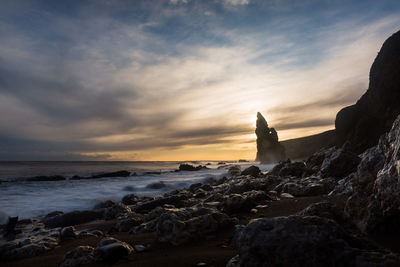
[127,80]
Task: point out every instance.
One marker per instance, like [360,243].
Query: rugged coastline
[337,208]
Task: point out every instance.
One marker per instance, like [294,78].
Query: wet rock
[105,204]
[115,211]
[130,199]
[286,196]
[252,170]
[288,168]
[188,167]
[113,251]
[73,218]
[68,233]
[84,234]
[139,248]
[244,202]
[46,178]
[157,185]
[54,213]
[112,174]
[9,229]
[305,241]
[176,200]
[78,256]
[132,219]
[194,187]
[234,170]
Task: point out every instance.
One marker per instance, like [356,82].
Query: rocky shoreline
[353,201]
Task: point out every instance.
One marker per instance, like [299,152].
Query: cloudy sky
[178,79]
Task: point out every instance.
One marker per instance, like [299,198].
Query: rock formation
[375,199]
[362,124]
[269,149]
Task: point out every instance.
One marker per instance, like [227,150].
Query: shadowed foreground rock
[375,200]
[303,240]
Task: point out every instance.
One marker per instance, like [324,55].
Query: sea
[28,199]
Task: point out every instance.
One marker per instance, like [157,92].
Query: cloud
[237,2]
[151,77]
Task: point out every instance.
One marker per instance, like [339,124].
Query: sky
[178,79]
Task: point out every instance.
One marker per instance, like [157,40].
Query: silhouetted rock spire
[268,147]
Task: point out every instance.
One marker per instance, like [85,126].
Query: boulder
[115,211]
[113,250]
[73,218]
[176,200]
[156,185]
[131,220]
[68,232]
[269,150]
[105,204]
[288,168]
[78,256]
[130,199]
[252,170]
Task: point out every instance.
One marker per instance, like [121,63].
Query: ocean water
[31,199]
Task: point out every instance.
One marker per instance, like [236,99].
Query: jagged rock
[78,256]
[112,250]
[252,170]
[73,218]
[305,241]
[288,168]
[269,150]
[339,163]
[130,199]
[362,124]
[176,200]
[244,202]
[376,197]
[126,224]
[116,210]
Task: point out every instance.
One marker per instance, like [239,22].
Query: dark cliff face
[268,148]
[362,124]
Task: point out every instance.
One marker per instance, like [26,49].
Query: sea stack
[269,150]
